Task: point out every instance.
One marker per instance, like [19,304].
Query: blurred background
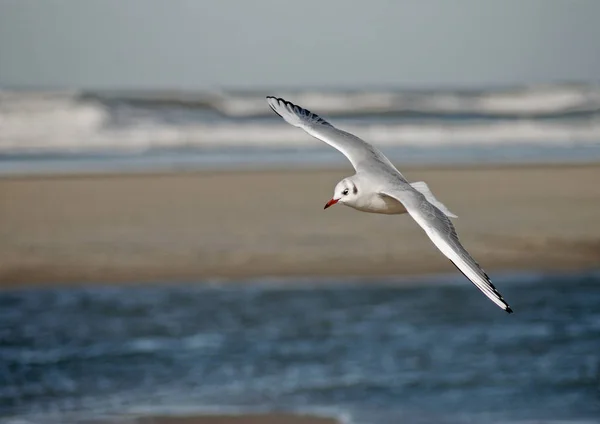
[164,251]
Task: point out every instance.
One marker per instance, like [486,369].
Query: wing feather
[360,153]
[442,233]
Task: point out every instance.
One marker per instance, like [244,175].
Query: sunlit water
[374,353]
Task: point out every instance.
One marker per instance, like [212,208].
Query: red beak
[331,203]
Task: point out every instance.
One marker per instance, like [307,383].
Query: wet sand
[246,224]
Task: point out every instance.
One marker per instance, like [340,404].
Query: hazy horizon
[266,44]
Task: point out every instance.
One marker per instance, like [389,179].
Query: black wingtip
[278,99]
[271,106]
[300,112]
[509,309]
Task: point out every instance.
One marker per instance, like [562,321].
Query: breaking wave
[87,122]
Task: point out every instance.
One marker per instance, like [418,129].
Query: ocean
[374,353]
[120,131]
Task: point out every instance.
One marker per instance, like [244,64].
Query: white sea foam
[530,101]
[71,122]
[81,138]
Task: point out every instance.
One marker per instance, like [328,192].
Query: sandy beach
[246,224]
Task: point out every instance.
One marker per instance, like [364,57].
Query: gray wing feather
[442,233]
[361,154]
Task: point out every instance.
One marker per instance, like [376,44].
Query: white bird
[378,187]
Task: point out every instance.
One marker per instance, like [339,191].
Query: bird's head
[345,192]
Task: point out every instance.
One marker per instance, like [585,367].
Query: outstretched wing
[361,154]
[442,233]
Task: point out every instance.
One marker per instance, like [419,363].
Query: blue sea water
[370,352]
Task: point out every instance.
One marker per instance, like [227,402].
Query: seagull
[378,187]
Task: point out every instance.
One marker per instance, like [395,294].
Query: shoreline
[249,418]
[297,168]
[245,224]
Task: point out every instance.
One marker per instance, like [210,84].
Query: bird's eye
[345,192]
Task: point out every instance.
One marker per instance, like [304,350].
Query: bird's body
[378,187]
[374,202]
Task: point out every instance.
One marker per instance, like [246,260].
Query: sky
[211,44]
